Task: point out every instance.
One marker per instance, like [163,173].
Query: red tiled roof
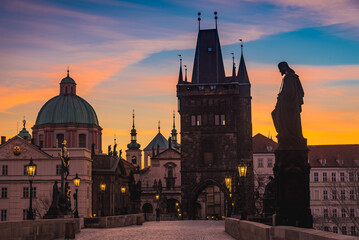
[260,144]
[334,155]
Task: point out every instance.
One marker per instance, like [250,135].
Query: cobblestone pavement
[168,230]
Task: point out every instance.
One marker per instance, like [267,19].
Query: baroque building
[216,128]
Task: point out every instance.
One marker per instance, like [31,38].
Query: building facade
[14,182]
[64,117]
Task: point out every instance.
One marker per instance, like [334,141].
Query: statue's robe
[286,115]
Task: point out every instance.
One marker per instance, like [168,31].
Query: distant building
[163,177]
[334,184]
[263,163]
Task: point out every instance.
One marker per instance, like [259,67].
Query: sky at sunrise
[123,55]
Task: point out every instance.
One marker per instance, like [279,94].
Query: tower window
[193,120]
[134,160]
[216,119]
[66,89]
[199,120]
[82,140]
[72,90]
[223,119]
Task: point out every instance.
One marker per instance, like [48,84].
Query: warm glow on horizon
[127,58]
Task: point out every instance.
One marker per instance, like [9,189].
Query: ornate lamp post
[158,206]
[31,169]
[103,188]
[228,181]
[77,184]
[242,171]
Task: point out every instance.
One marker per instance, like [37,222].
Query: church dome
[68,79]
[67,107]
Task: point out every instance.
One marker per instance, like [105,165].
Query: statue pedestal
[291,173]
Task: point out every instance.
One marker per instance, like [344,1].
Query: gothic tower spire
[180,76]
[242,70]
[233,69]
[133,145]
[174,143]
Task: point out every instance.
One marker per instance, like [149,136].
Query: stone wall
[37,229]
[247,230]
[114,221]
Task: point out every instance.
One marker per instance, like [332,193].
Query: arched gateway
[216,128]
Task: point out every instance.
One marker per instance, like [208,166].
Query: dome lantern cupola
[68,85]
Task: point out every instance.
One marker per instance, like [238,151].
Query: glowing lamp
[103,187]
[242,169]
[123,190]
[31,169]
[76,181]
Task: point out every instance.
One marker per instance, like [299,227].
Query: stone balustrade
[38,229]
[114,221]
[247,230]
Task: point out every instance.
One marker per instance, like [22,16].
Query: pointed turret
[174,143]
[242,70]
[133,145]
[185,73]
[180,76]
[208,62]
[234,78]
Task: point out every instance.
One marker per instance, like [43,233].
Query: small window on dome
[72,90]
[66,90]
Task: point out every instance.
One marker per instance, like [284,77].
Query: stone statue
[114,150]
[109,152]
[65,159]
[286,115]
[55,195]
[269,198]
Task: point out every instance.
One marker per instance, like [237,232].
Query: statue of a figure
[109,152]
[286,115]
[114,150]
[55,196]
[269,198]
[65,159]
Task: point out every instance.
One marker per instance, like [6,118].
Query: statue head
[284,68]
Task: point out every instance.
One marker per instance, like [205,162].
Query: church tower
[174,143]
[133,152]
[216,126]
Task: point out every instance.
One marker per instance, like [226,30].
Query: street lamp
[228,181]
[242,171]
[31,170]
[103,188]
[123,190]
[77,184]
